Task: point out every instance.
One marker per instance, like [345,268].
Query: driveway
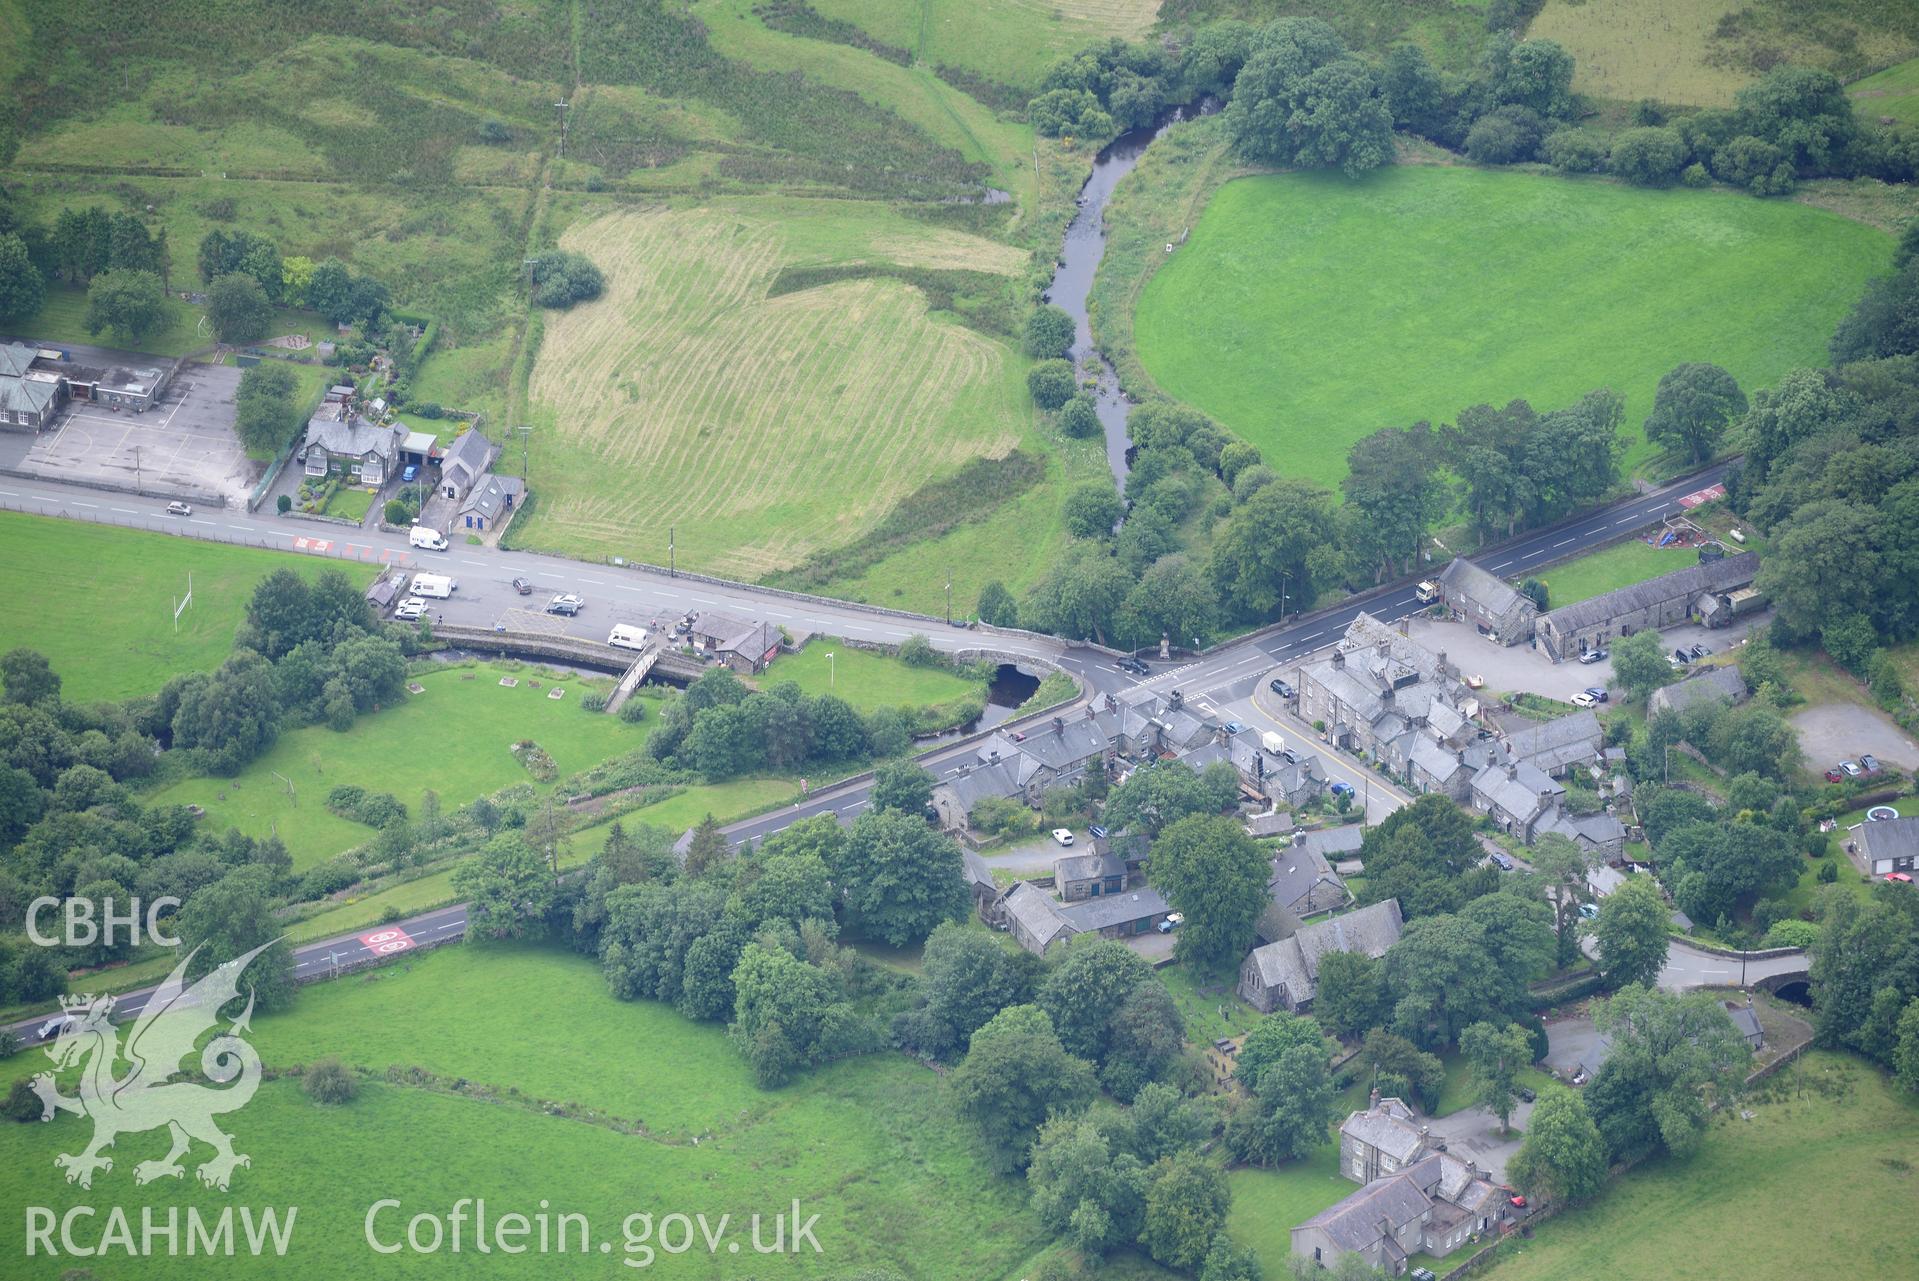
[1035,856]
[1831,732]
[1473,1134]
[1568,1041]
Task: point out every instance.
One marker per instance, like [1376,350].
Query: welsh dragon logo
[146,1097]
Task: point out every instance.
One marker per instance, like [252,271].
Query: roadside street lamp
[832,671]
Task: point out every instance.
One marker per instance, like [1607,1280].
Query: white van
[1272,742]
[438,586]
[626,636]
[431,539]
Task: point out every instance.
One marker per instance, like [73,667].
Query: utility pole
[949,597]
[136,467]
[832,671]
[1285,581]
[561,107]
[672,569]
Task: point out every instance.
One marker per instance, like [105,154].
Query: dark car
[1869,763]
[1599,695]
[1132,665]
[1280,687]
[523,587]
[1681,656]
[1097,832]
[567,604]
[1526,1094]
[1504,862]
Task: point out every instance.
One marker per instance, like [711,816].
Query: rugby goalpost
[181,605]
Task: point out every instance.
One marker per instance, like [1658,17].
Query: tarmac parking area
[184,444]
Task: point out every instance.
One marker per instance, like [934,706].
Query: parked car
[1590,911]
[179,509]
[523,587]
[1593,656]
[1681,657]
[1901,878]
[1869,763]
[1097,832]
[1422,1274]
[1851,769]
[409,609]
[1280,687]
[1234,727]
[1834,776]
[1599,695]
[1292,757]
[566,603]
[1526,1094]
[1062,836]
[1172,922]
[1584,700]
[1504,862]
[1518,1202]
[1698,651]
[409,473]
[1341,789]
[1019,736]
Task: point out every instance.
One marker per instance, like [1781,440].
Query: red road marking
[1705,495]
[386,942]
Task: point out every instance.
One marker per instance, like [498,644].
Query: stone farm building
[1285,975]
[339,439]
[1714,684]
[37,382]
[1714,591]
[1037,920]
[1487,601]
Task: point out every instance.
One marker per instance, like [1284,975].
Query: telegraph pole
[561,108]
[949,597]
[672,569]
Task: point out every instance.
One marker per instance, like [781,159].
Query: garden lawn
[1217,1012]
[1309,310]
[1813,1177]
[63,319]
[870,1145]
[1462,1083]
[350,504]
[1268,1204]
[1620,565]
[455,738]
[1805,892]
[98,601]
[872,680]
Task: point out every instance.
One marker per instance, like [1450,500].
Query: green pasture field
[1012,41]
[454,738]
[1702,52]
[1893,92]
[98,601]
[872,680]
[1309,310]
[1620,565]
[667,1120]
[1774,1198]
[754,429]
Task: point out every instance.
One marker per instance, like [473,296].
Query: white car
[1584,700]
[1063,836]
[1171,923]
[179,509]
[409,609]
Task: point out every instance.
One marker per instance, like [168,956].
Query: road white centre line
[1566,543]
[597,582]
[197,521]
[468,560]
[124,511]
[77,503]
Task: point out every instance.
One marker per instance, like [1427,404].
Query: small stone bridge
[598,655]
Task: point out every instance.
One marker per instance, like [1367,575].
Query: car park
[1584,700]
[1280,687]
[1593,656]
[523,587]
[179,509]
[566,603]
[1599,695]
[1062,836]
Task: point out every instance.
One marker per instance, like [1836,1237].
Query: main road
[646,595]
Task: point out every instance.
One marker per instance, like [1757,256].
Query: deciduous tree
[1694,405]
[1562,1159]
[1631,933]
[1016,1074]
[1214,875]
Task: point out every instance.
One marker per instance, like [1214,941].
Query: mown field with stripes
[759,429]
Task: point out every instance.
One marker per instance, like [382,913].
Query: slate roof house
[29,397]
[465,462]
[1033,918]
[1037,921]
[1890,846]
[980,883]
[1285,975]
[1705,589]
[1487,601]
[489,504]
[1412,1199]
[1083,876]
[1516,795]
[954,798]
[337,438]
[1559,746]
[742,644]
[1303,883]
[1376,686]
[1744,1018]
[1714,684]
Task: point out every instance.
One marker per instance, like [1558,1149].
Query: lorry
[1272,742]
[1428,592]
[431,539]
[436,586]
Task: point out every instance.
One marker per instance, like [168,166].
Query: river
[1079,257]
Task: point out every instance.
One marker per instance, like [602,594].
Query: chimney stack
[1374,1103]
[1339,658]
[1299,838]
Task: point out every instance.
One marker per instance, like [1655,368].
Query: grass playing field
[669,1121]
[1701,52]
[1773,1198]
[755,430]
[1620,565]
[1310,310]
[98,601]
[454,738]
